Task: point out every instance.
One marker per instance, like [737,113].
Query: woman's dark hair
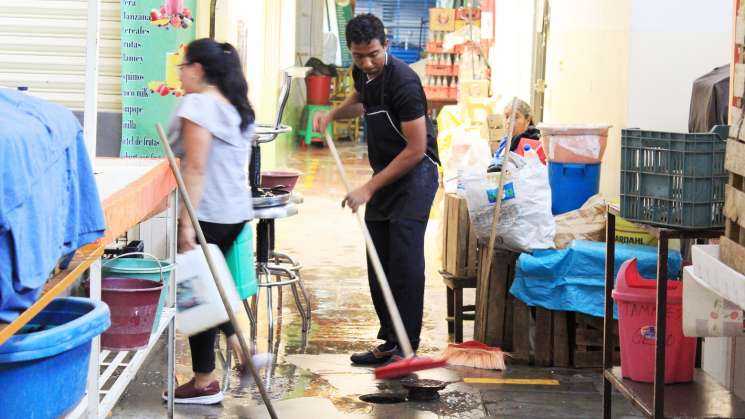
[222,68]
[362,29]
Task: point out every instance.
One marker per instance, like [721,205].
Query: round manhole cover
[383,398]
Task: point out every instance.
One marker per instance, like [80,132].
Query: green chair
[308,132]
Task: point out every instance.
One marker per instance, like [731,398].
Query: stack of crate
[732,244]
[458,238]
[443,66]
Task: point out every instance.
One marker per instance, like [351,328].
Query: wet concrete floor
[312,377]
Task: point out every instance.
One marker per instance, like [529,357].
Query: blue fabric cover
[573,279]
[49,204]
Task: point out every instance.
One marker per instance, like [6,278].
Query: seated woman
[523,133]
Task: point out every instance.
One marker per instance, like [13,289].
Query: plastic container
[407,55]
[133,304]
[574,143]
[274,178]
[43,368]
[572,184]
[319,89]
[673,180]
[150,269]
[636,299]
[240,260]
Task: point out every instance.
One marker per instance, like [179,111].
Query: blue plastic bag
[573,279]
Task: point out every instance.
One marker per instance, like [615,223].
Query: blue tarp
[49,204]
[573,279]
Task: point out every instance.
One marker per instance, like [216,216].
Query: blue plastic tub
[572,184]
[43,368]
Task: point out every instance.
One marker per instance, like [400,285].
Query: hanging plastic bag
[197,300]
[240,259]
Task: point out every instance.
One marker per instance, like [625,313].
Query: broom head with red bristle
[475,354]
[406,366]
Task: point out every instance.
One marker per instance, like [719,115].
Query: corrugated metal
[42,46]
[406,21]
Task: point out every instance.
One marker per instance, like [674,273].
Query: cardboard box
[442,20]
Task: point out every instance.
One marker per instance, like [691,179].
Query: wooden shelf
[83,259]
[702,398]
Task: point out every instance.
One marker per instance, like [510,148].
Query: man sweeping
[402,151]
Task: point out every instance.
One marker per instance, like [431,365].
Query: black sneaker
[378,355]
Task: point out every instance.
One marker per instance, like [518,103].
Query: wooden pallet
[732,244]
[505,321]
[494,307]
[587,341]
[459,256]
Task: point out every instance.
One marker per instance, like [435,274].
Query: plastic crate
[407,55]
[673,180]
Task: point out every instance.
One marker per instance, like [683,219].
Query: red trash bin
[319,89]
[636,299]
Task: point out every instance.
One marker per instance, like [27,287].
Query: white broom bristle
[475,358]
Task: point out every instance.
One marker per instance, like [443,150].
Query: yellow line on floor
[518,381]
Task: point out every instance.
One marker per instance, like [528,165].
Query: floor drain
[383,398]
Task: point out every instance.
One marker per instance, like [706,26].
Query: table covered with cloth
[573,279]
[49,204]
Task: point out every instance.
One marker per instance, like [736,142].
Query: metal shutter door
[42,46]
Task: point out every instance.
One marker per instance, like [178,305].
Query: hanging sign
[154,34]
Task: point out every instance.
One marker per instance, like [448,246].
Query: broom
[203,243]
[410,363]
[474,354]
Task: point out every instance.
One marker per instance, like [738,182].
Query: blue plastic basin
[572,184]
[43,368]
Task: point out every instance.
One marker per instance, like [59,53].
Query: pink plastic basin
[274,178]
[636,299]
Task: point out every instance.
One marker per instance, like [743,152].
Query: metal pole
[90,114]
[608,345]
[173,234]
[658,402]
[94,362]
[203,243]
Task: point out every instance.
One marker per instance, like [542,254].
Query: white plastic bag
[197,300]
[526,221]
[468,150]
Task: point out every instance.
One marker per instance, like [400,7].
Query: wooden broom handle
[390,302]
[500,191]
[215,274]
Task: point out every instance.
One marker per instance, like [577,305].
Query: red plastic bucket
[636,299]
[319,89]
[133,303]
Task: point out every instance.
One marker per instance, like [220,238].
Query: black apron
[411,196]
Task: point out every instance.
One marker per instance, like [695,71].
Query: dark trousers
[400,245]
[203,344]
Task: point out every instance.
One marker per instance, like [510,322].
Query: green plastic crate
[672,179]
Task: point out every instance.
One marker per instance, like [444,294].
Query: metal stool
[265,272]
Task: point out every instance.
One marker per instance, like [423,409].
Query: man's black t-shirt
[403,94]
